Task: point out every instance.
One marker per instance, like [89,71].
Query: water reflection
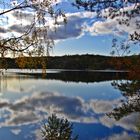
[131,104]
[85,76]
[67,76]
[130,90]
[27,100]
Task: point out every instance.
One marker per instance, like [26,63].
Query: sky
[95,35]
[84,33]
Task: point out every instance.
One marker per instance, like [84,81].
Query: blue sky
[83,45]
[84,32]
[86,44]
[97,35]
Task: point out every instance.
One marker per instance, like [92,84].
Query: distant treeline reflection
[82,76]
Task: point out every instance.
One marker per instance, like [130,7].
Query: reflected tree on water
[131,104]
[131,91]
[57,129]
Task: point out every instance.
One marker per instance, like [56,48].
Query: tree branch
[15,8]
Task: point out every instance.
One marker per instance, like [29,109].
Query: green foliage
[57,129]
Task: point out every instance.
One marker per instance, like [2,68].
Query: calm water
[101,105]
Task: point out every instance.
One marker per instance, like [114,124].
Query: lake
[102,105]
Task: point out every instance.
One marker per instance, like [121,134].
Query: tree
[29,36]
[57,129]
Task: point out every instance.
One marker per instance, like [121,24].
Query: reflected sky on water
[84,98]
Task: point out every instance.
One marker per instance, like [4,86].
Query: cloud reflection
[122,136]
[16,131]
[29,110]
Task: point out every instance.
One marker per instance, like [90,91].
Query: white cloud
[78,24]
[19,22]
[19,118]
[128,122]
[101,106]
[100,27]
[26,110]
[122,136]
[16,131]
[3,103]
[112,26]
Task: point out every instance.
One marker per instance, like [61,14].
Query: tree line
[81,62]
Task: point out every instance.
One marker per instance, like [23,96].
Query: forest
[78,62]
